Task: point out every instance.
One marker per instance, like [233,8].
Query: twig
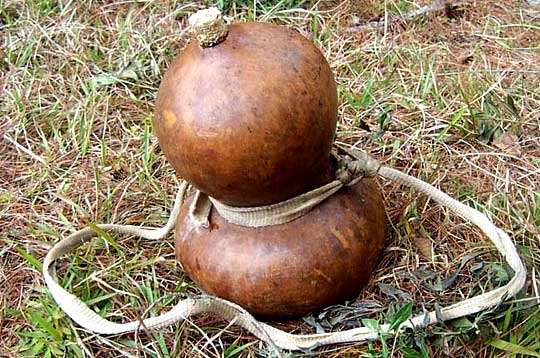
[408,16]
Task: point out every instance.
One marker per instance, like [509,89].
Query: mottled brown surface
[322,258]
[251,120]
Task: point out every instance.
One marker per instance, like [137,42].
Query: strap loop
[350,170]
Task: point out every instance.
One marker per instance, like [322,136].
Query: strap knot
[350,171]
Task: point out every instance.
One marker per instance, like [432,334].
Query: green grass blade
[38,321]
[30,259]
[512,348]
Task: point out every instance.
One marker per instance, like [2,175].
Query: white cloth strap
[276,338]
[349,171]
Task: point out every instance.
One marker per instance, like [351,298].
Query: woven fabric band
[351,168]
[360,166]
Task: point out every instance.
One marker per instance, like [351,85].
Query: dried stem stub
[209,27]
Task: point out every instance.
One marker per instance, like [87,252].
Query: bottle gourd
[247,114]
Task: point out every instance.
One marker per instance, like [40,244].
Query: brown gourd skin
[249,121]
[322,258]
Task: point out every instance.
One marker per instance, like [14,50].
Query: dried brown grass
[85,155]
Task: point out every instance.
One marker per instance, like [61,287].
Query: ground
[451,97]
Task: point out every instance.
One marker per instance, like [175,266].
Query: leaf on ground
[394,292]
[508,143]
[462,322]
[128,74]
[419,236]
[450,280]
[103,80]
[401,316]
[424,245]
[314,323]
[346,315]
[371,324]
[441,285]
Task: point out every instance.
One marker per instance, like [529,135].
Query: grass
[451,98]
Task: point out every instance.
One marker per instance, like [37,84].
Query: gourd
[324,257]
[247,115]
[249,120]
